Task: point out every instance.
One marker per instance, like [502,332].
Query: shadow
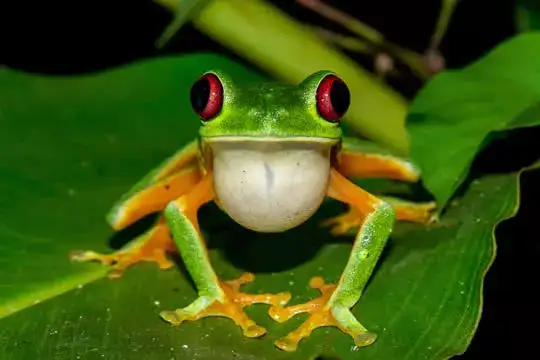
[269,252]
[252,251]
[416,192]
[277,252]
[506,152]
[508,302]
[124,236]
[510,298]
[180,266]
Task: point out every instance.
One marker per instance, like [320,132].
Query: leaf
[71,153]
[451,118]
[71,146]
[527,15]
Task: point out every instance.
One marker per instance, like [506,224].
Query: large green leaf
[71,146]
[528,15]
[452,117]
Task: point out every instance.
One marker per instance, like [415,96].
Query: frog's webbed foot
[151,246]
[230,305]
[419,212]
[321,314]
[352,219]
[344,222]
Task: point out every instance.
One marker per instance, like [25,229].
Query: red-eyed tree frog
[267,155]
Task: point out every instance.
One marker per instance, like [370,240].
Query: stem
[447,9]
[183,11]
[344,19]
[413,60]
[346,42]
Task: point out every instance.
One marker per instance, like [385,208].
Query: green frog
[267,155]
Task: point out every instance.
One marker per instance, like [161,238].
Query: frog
[267,154]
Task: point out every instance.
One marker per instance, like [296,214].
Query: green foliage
[456,112]
[72,146]
[528,15]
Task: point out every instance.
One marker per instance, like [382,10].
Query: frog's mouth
[270,139]
[270,145]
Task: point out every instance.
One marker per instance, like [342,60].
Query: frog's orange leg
[154,244]
[155,197]
[414,212]
[216,298]
[169,180]
[151,246]
[405,211]
[353,164]
[332,308]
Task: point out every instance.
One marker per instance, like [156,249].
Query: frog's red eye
[333,98]
[207,96]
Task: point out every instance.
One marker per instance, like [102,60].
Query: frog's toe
[343,223]
[425,213]
[231,305]
[119,261]
[152,246]
[88,255]
[321,314]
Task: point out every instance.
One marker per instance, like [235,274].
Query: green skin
[278,113]
[270,110]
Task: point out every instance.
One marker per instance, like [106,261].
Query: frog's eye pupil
[207,96]
[333,98]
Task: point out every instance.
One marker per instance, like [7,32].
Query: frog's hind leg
[173,178]
[154,198]
[353,218]
[215,297]
[423,212]
[155,243]
[152,246]
[359,160]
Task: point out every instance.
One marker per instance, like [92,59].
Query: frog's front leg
[332,308]
[216,298]
[154,244]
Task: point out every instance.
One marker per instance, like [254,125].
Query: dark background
[61,37]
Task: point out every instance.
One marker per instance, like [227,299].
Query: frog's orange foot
[321,314]
[352,219]
[424,213]
[230,305]
[151,246]
[342,224]
[119,261]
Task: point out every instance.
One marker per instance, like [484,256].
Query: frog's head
[269,112]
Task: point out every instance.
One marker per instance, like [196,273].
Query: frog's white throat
[270,186]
